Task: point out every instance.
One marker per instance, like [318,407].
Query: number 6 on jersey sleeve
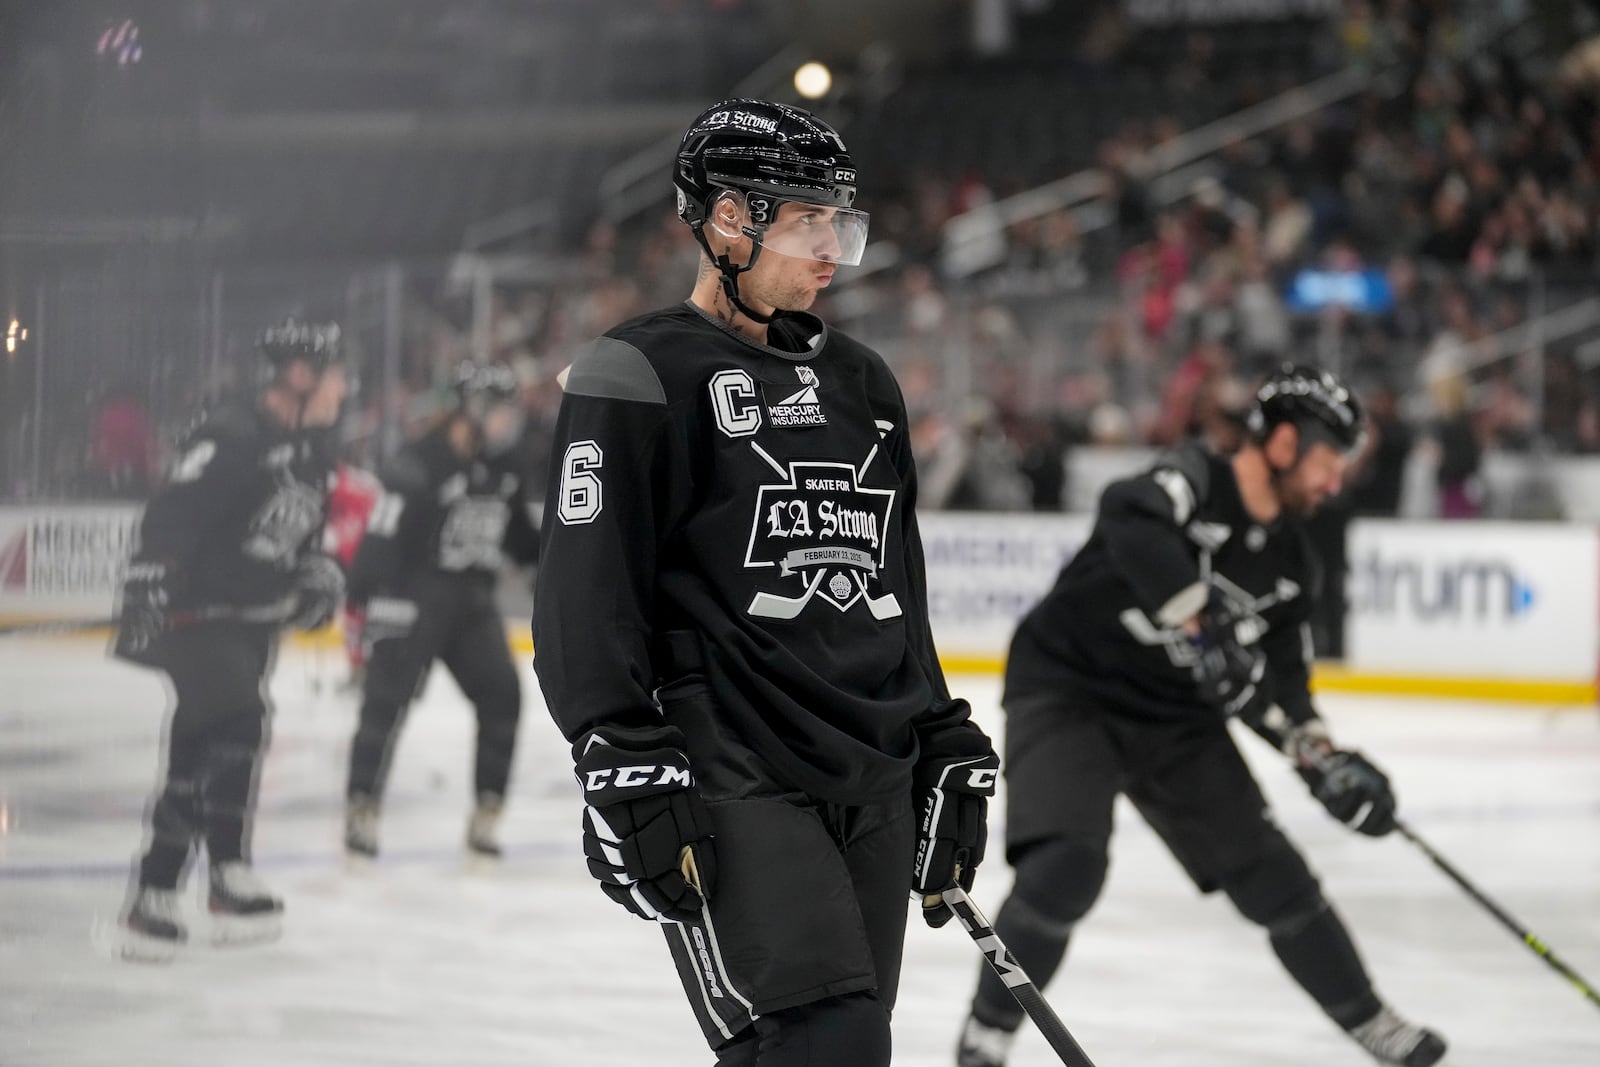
[580,485]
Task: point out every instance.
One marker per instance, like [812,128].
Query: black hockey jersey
[1162,542]
[742,512]
[243,505]
[441,514]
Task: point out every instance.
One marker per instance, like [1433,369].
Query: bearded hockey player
[229,555]
[731,619]
[1189,605]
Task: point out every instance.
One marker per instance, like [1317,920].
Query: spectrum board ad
[1475,600]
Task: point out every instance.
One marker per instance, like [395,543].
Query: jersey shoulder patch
[1192,464]
[225,429]
[611,369]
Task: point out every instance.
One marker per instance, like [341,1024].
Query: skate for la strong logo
[825,534]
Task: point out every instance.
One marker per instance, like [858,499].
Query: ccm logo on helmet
[844,174]
[633,777]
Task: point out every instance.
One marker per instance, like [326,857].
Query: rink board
[1485,610]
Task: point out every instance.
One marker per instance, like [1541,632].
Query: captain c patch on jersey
[823,535]
[792,407]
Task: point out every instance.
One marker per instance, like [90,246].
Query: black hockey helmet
[293,339]
[1315,401]
[764,148]
[769,154]
[485,389]
[480,385]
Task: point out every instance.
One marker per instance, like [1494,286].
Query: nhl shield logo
[790,408]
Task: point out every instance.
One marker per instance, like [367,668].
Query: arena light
[120,43]
[813,80]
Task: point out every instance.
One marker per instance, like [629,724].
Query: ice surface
[423,959]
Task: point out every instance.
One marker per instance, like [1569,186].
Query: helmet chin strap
[730,271]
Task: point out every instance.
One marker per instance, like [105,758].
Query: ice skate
[483,838]
[152,930]
[361,828]
[243,910]
[1390,1039]
[983,1045]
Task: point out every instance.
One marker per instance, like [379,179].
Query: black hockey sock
[492,765]
[174,825]
[1038,942]
[229,795]
[372,748]
[852,1029]
[1317,951]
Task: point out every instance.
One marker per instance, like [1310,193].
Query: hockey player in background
[424,577]
[228,556]
[731,622]
[1188,606]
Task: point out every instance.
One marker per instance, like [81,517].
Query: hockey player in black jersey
[1189,605]
[425,573]
[731,623]
[229,554]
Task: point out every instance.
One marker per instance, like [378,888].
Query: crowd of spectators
[1462,186]
[1460,190]
[1463,190]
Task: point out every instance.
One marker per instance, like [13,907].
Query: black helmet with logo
[478,385]
[1315,401]
[315,342]
[761,147]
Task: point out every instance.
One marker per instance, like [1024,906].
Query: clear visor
[808,231]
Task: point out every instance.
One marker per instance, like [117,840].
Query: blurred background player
[1189,605]
[731,619]
[228,556]
[452,509]
[355,492]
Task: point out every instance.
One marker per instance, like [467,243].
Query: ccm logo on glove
[634,777]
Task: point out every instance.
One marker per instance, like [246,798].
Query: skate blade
[118,942]
[233,931]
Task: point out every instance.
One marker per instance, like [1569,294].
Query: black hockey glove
[318,590]
[146,599]
[952,799]
[646,832]
[1231,670]
[1353,790]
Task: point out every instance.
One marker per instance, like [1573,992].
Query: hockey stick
[1526,936]
[1011,973]
[279,611]
[55,626]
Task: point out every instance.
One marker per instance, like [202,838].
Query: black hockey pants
[457,622]
[1068,757]
[215,740]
